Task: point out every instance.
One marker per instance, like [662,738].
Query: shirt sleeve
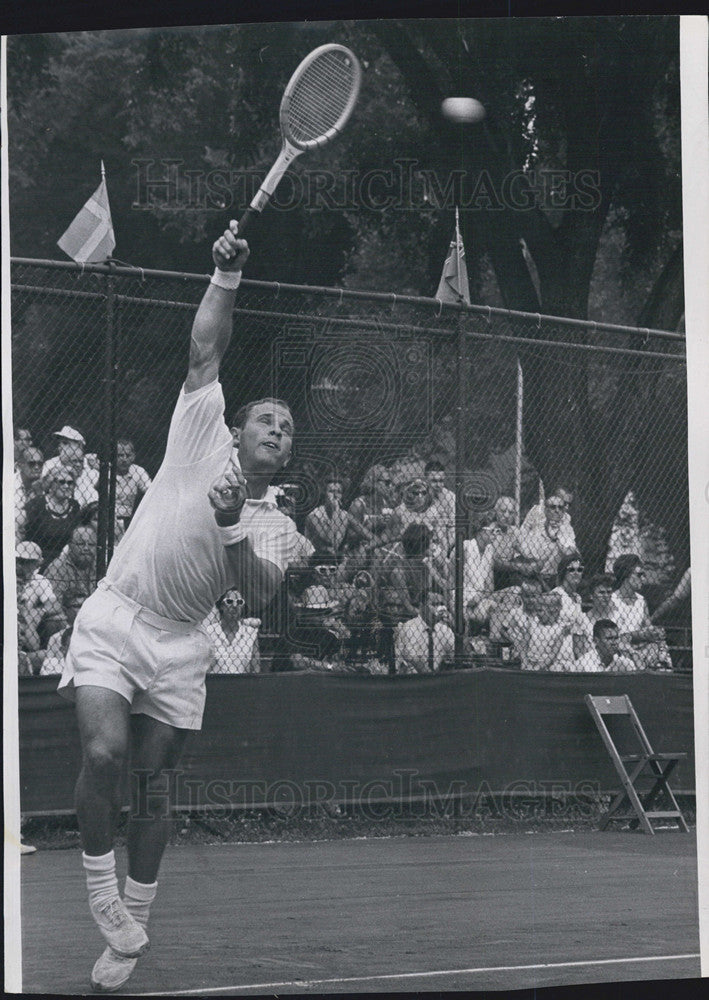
[276,542]
[197,428]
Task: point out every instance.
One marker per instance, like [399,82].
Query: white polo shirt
[171,559]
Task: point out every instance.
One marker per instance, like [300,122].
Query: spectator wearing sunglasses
[374,507]
[52,517]
[28,484]
[536,516]
[640,639]
[235,648]
[580,639]
[71,448]
[544,546]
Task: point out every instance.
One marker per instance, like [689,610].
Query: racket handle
[246,217]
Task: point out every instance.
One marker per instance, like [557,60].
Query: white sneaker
[122,932]
[27,849]
[111,971]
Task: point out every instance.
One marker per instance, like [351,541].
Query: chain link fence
[464,479]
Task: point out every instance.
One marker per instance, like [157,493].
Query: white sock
[138,896]
[101,878]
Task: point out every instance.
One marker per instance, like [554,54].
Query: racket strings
[321,96]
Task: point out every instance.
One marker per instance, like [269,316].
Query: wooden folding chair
[631,768]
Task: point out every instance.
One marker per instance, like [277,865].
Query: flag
[90,239]
[453,286]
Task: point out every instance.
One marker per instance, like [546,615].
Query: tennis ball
[462,110]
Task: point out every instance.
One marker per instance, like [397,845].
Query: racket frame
[291,147]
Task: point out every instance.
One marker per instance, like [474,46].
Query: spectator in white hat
[36,599]
[71,450]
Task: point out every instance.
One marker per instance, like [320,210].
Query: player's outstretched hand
[229,252]
[228,494]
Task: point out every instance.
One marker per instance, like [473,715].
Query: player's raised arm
[211,330]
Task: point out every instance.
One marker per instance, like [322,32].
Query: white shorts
[156,664]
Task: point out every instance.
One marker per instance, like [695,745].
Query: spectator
[36,600]
[330,528]
[440,515]
[53,660]
[641,639]
[70,453]
[361,615]
[544,635]
[235,648]
[600,589]
[514,623]
[28,484]
[320,582]
[507,563]
[318,626]
[578,642]
[89,516]
[415,501]
[537,515]
[424,642]
[406,575]
[132,481]
[543,546]
[605,653]
[51,518]
[478,578]
[23,440]
[374,507]
[75,567]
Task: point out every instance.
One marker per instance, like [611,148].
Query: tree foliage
[583,114]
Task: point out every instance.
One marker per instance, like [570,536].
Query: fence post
[519,442]
[460,512]
[107,467]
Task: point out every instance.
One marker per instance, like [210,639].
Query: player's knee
[103,759]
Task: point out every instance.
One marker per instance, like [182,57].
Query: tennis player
[138,656]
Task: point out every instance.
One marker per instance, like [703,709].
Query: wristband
[232,533]
[226,279]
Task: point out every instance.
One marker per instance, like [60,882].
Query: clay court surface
[400,914]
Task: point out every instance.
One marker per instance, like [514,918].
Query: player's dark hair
[243,413]
[602,625]
[434,466]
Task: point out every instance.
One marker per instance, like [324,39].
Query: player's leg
[156,749]
[104,728]
[103,716]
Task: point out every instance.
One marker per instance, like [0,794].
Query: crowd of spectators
[380,593]
[373,585]
[56,514]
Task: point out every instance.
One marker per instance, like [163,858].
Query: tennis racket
[316,105]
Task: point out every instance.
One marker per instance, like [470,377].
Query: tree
[579,154]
